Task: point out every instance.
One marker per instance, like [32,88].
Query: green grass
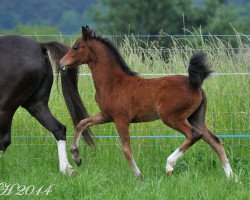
[105,173]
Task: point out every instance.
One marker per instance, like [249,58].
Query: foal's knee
[79,127]
[83,124]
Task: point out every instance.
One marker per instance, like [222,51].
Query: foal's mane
[115,52]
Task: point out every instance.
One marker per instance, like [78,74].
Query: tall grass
[105,173]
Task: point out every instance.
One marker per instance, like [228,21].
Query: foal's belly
[138,120]
[145,117]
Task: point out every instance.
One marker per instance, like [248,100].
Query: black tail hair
[69,80]
[198,69]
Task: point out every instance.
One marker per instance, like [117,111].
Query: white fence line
[143,35]
[164,74]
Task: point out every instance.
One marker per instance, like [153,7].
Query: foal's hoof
[78,161]
[140,177]
[169,173]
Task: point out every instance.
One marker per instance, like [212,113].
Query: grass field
[32,161]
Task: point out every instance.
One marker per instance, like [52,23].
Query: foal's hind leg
[197,120]
[217,145]
[83,124]
[123,130]
[192,135]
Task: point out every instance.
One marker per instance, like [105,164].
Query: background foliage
[118,16]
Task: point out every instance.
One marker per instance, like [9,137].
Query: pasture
[31,160]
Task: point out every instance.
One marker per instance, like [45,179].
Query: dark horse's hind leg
[42,113]
[5,131]
[37,106]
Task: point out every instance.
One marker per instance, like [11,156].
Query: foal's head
[80,52]
[90,48]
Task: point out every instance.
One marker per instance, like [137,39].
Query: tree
[225,19]
[212,16]
[71,20]
[118,16]
[47,12]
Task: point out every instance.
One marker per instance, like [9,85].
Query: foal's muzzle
[62,66]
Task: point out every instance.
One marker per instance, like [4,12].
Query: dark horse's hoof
[78,161]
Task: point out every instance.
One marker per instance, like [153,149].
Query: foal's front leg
[83,124]
[123,130]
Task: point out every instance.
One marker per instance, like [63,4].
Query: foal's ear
[86,32]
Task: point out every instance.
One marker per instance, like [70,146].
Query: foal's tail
[69,80]
[198,69]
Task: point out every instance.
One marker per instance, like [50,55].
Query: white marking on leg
[228,170]
[135,168]
[1,153]
[171,160]
[63,159]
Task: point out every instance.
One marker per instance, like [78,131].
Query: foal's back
[147,99]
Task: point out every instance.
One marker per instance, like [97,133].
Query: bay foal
[124,98]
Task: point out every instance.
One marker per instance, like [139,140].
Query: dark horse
[124,98]
[26,78]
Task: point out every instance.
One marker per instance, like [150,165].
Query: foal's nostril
[62,66]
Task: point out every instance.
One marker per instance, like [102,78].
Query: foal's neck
[105,69]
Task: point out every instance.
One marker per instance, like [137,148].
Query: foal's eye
[75,48]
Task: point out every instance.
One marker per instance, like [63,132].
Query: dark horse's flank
[124,98]
[26,78]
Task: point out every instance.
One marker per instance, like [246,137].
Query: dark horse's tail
[198,69]
[69,80]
